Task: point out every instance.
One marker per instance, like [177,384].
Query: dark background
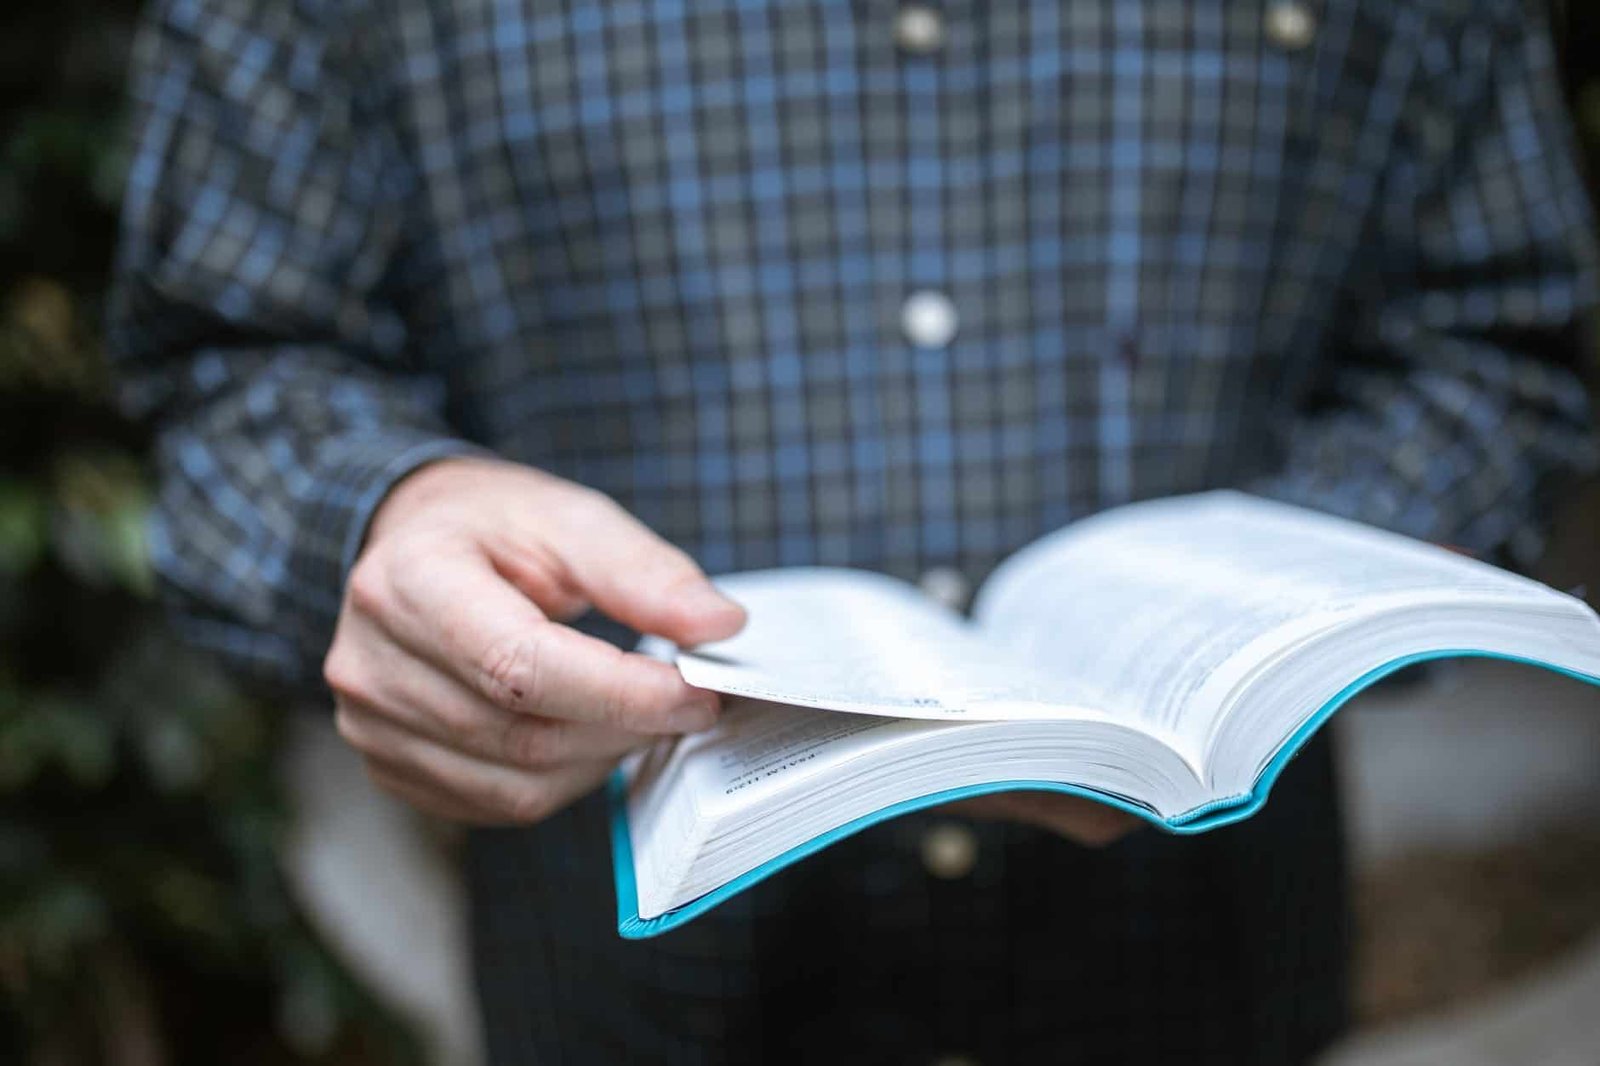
[143,917]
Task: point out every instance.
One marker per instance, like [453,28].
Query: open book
[1166,657]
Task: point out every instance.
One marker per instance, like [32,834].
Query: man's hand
[1080,820]
[453,674]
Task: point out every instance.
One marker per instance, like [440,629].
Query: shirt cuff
[349,479]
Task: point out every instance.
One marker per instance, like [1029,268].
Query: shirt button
[949,851]
[929,319]
[1290,24]
[919,29]
[945,585]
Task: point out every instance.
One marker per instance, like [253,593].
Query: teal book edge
[1209,816]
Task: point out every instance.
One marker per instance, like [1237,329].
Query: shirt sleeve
[253,317]
[1457,405]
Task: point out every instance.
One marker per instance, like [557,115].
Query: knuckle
[588,509]
[532,743]
[520,744]
[509,673]
[619,705]
[621,688]
[407,584]
[349,726]
[458,720]
[592,502]
[344,676]
[367,586]
[333,668]
[528,802]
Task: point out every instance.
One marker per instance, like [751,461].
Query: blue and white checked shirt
[708,257]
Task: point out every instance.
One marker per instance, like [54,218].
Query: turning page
[849,640]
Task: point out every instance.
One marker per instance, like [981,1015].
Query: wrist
[419,489]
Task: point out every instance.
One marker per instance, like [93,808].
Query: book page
[756,747]
[767,778]
[1147,601]
[684,787]
[856,641]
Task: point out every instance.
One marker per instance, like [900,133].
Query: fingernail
[699,713]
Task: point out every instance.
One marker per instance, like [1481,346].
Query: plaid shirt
[834,283]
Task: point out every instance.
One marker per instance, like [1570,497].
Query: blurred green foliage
[143,918]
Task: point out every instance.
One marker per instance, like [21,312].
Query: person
[478,333]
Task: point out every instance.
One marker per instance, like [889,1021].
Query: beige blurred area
[1472,799]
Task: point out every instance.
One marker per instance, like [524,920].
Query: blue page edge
[1202,819]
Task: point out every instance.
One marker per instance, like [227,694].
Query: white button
[949,851]
[918,29]
[929,319]
[1290,24]
[947,586]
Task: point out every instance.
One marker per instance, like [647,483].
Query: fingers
[565,674]
[418,698]
[634,576]
[451,678]
[461,615]
[455,785]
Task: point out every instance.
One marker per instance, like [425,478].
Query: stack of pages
[1167,658]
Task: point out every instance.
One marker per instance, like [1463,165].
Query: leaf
[127,549]
[97,524]
[85,745]
[44,307]
[193,902]
[109,174]
[173,755]
[57,921]
[22,526]
[43,729]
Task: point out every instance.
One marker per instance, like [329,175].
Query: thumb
[636,577]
